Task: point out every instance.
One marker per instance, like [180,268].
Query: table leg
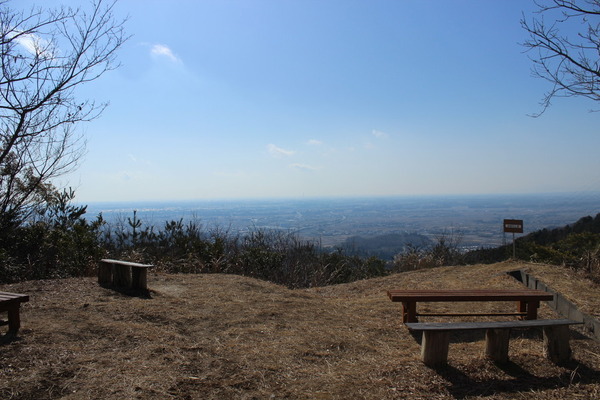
[522,308]
[409,311]
[532,307]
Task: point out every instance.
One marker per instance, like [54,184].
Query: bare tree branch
[566,52]
[45,55]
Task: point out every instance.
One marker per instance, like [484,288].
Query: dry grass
[225,336]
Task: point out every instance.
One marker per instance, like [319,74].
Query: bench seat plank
[126,263]
[461,326]
[11,298]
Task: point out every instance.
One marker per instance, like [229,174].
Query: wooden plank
[520,314]
[126,263]
[466,292]
[458,326]
[469,295]
[473,297]
[451,291]
[6,297]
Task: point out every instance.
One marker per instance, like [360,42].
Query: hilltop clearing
[226,336]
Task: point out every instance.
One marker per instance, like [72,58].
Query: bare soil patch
[226,336]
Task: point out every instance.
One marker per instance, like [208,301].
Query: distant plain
[477,219]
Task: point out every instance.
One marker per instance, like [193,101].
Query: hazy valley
[476,219]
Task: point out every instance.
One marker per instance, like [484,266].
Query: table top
[469,295]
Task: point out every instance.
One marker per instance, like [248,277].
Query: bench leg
[105,276]
[556,344]
[14,319]
[496,344]
[434,348]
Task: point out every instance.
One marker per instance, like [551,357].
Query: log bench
[436,338]
[123,274]
[11,303]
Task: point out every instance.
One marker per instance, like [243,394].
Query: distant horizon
[349,197]
[332,220]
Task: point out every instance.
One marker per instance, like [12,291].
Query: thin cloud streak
[304,167]
[379,134]
[278,152]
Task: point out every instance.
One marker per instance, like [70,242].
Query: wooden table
[11,303]
[528,301]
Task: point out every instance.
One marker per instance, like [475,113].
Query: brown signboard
[513,225]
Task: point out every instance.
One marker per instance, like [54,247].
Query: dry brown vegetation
[225,336]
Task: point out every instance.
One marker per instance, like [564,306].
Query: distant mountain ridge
[544,237]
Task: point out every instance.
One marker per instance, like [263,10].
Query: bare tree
[564,43]
[45,56]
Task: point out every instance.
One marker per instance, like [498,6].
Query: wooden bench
[528,301]
[436,338]
[11,303]
[123,274]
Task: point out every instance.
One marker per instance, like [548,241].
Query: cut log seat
[436,338]
[123,274]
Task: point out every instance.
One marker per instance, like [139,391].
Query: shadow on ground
[462,385]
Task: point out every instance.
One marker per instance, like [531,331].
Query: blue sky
[289,98]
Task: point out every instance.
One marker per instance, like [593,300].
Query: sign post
[513,226]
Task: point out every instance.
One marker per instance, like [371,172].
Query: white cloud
[278,151]
[379,134]
[160,50]
[303,167]
[314,142]
[34,44]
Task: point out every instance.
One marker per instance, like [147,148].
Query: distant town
[475,220]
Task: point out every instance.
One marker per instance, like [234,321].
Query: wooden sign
[513,225]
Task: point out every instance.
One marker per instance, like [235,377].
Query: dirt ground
[231,337]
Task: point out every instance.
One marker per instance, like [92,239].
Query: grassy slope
[225,336]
